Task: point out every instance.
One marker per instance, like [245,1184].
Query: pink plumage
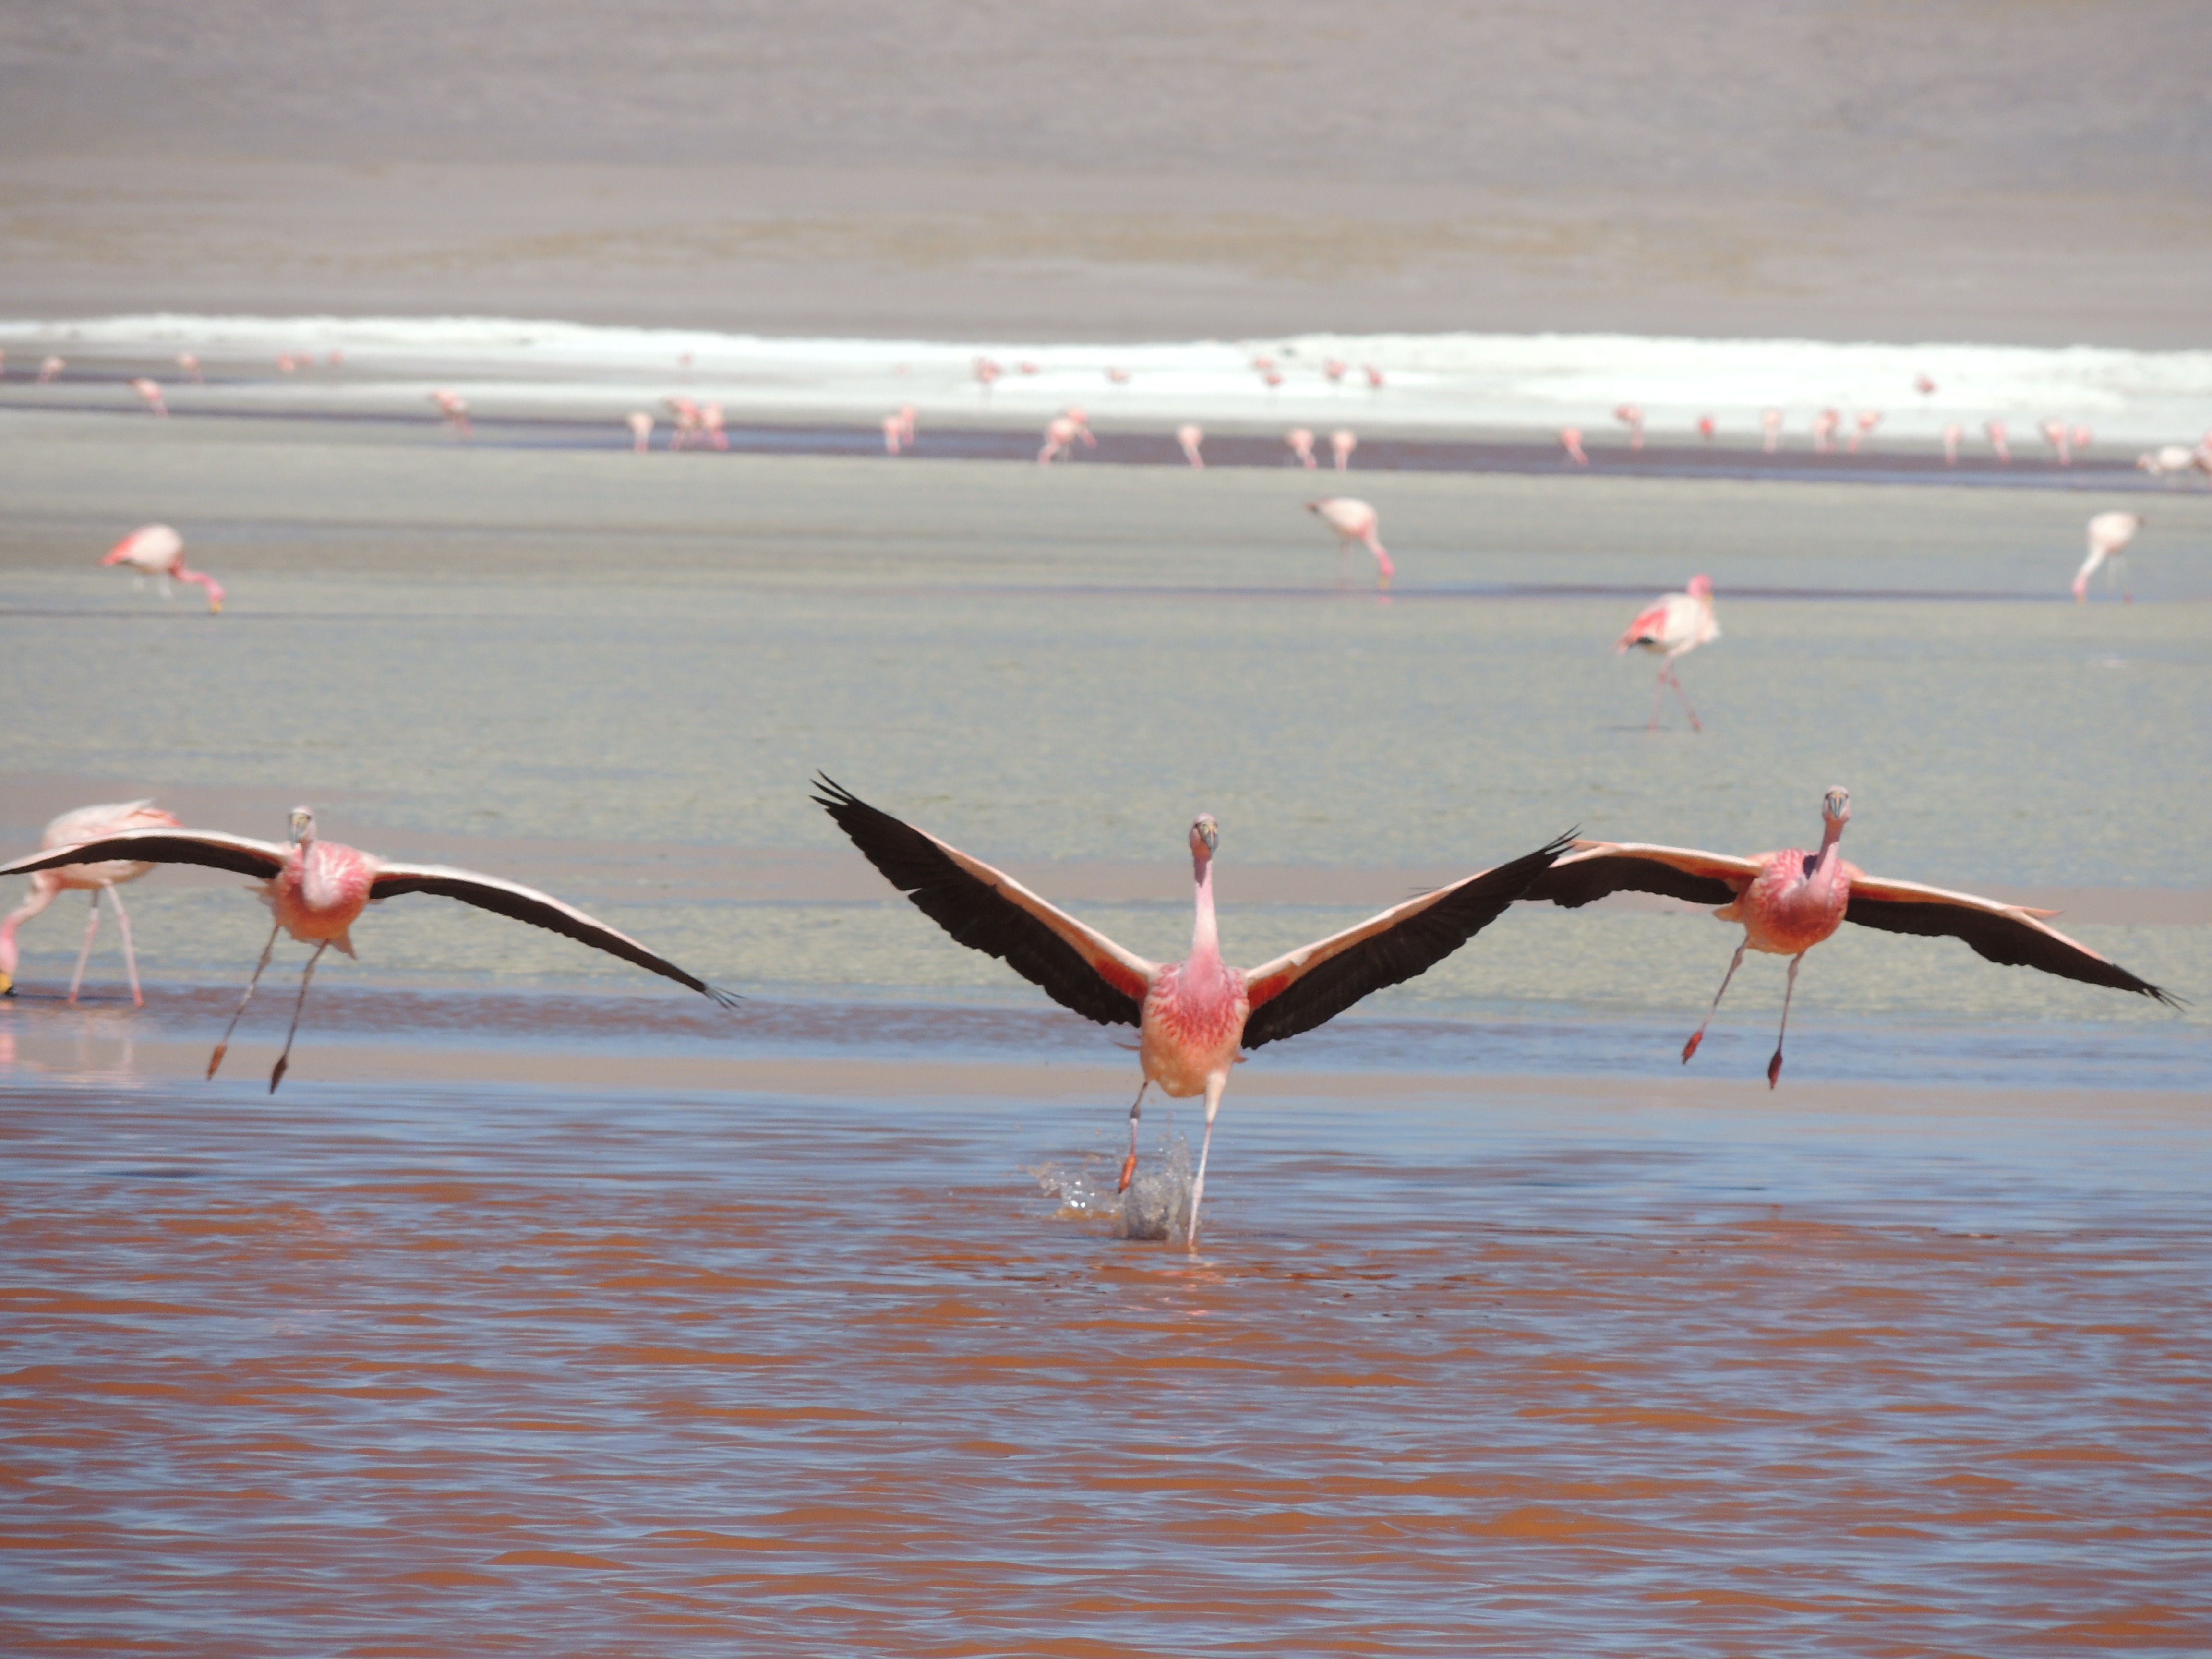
[1670,627]
[1355,524]
[155,549]
[74,829]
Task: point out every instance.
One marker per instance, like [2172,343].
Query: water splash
[1157,1205]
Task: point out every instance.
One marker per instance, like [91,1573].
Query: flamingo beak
[1837,805]
[214,607]
[7,985]
[1209,832]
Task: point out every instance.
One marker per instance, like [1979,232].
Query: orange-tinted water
[436,1369]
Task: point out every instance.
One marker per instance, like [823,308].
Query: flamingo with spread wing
[316,889]
[1192,1016]
[1789,901]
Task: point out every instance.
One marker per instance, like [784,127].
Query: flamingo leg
[130,956]
[216,1059]
[2127,587]
[1130,1163]
[1658,697]
[84,954]
[1214,1085]
[284,1059]
[1691,1047]
[1774,1066]
[1674,680]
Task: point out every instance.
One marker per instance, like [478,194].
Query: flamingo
[1354,522]
[188,364]
[1024,367]
[1995,430]
[686,414]
[2082,438]
[1789,901]
[2166,460]
[3,363]
[1334,368]
[1263,365]
[155,550]
[1374,379]
[1342,443]
[337,359]
[1059,436]
[907,415]
[285,365]
[1672,626]
[1706,426]
[1952,432]
[2056,434]
[1868,419]
[1570,440]
[1631,417]
[71,830]
[151,392]
[1192,1016]
[316,889]
[1190,437]
[1274,378]
[1118,376]
[50,368]
[2108,536]
[455,410]
[1770,422]
[987,371]
[894,433]
[640,430]
[1824,431]
[710,425]
[1924,385]
[684,364]
[1301,445]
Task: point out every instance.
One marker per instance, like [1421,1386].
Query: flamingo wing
[521,904]
[260,859]
[1650,627]
[1316,982]
[987,910]
[1597,868]
[2005,933]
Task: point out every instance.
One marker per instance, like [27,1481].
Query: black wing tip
[719,997]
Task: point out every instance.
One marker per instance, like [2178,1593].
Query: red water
[438,1371]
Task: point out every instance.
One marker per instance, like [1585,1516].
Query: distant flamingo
[710,425]
[1263,365]
[50,368]
[1192,1016]
[1770,423]
[2082,438]
[190,365]
[1631,417]
[1789,901]
[285,365]
[1061,433]
[1355,523]
[1190,437]
[894,435]
[684,364]
[1301,445]
[987,371]
[1671,627]
[640,430]
[1274,378]
[908,416]
[1335,369]
[1952,432]
[316,889]
[455,410]
[150,390]
[337,360]
[1706,426]
[1118,376]
[1570,440]
[1342,443]
[2056,434]
[1374,379]
[70,829]
[2166,460]
[1868,419]
[686,414]
[2108,536]
[157,551]
[1994,431]
[1024,367]
[1924,387]
[1824,431]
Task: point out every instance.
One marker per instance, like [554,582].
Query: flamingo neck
[1828,862]
[1204,935]
[214,587]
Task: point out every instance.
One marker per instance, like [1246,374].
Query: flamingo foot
[284,1065]
[1691,1047]
[1774,1068]
[1128,1172]
[216,1059]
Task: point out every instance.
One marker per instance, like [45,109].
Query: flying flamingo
[72,829]
[1868,419]
[1570,440]
[455,410]
[1190,437]
[1673,627]
[1342,443]
[2056,434]
[1789,901]
[316,889]
[1059,436]
[2108,536]
[1952,432]
[1355,523]
[1770,422]
[190,365]
[640,430]
[1192,1016]
[1994,431]
[1706,426]
[157,551]
[51,367]
[1824,431]
[151,392]
[1300,444]
[1631,417]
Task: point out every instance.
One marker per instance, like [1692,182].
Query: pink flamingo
[1994,431]
[1263,365]
[1061,433]
[1274,378]
[894,435]
[455,410]
[1770,422]
[1118,376]
[1868,419]
[1570,440]
[1301,445]
[155,550]
[1192,1016]
[1924,385]
[1706,426]
[150,390]
[70,829]
[640,430]
[1671,627]
[2108,536]
[908,416]
[2167,459]
[1790,901]
[1334,368]
[710,425]
[987,371]
[1342,443]
[1952,432]
[1355,524]
[52,368]
[1824,431]
[1373,378]
[686,414]
[316,889]
[2056,434]
[1631,417]
[4,364]
[1024,367]
[1190,437]
[285,365]
[2082,438]
[188,364]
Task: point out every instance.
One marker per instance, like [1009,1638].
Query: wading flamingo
[1059,436]
[155,549]
[1769,424]
[894,435]
[1192,1016]
[1924,385]
[1994,432]
[710,425]
[987,371]
[1190,437]
[455,410]
[1570,440]
[1118,376]
[316,889]
[1868,419]
[188,364]
[1355,524]
[1374,379]
[1952,432]
[71,830]
[909,418]
[1706,426]
[1024,367]
[1334,368]
[1824,431]
[1342,443]
[1789,901]
[640,430]
[2082,438]
[150,390]
[1631,417]
[2060,439]
[1673,627]
[2108,536]
[2166,460]
[685,414]
[1301,445]
[50,368]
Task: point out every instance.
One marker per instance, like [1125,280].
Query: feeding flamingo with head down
[1672,626]
[316,889]
[1355,524]
[150,392]
[51,367]
[1789,901]
[1190,436]
[2108,536]
[1195,1015]
[2166,460]
[1301,445]
[71,830]
[1061,433]
[155,550]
